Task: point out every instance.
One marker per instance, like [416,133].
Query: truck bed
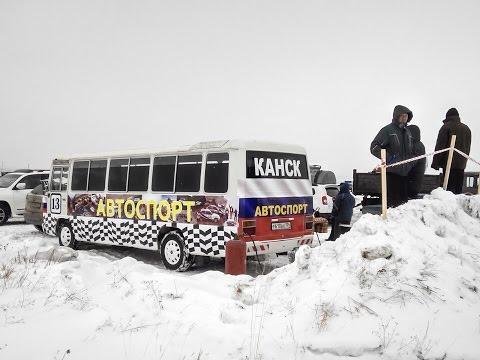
[369,184]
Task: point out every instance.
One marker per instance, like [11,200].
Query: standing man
[417,173]
[453,126]
[397,140]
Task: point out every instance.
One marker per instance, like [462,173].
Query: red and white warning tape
[417,158]
[427,155]
[466,156]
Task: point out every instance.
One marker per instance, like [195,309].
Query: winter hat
[452,112]
[400,109]
[344,187]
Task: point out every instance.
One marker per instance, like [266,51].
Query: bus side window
[163,177]
[189,169]
[96,177]
[216,173]
[79,175]
[117,178]
[138,174]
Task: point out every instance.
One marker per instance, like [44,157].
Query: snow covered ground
[405,288]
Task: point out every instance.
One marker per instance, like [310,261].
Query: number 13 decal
[56,204]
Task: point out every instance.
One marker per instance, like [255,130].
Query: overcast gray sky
[87,76]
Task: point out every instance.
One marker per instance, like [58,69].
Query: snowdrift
[404,288]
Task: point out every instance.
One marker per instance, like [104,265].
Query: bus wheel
[174,253]
[65,236]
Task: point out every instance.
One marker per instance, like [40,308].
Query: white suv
[322,201]
[14,188]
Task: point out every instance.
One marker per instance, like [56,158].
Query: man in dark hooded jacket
[342,210]
[397,140]
[417,173]
[453,126]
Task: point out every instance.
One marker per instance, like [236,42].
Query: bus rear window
[216,173]
[189,168]
[163,177]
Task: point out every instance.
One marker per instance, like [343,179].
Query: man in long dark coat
[453,126]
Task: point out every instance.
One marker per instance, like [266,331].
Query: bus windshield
[7,180]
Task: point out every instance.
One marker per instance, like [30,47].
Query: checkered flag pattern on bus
[200,239]
[116,232]
[206,240]
[89,230]
[49,224]
[144,233]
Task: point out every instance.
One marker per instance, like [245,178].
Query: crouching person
[342,211]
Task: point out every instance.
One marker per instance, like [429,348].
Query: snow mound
[405,287]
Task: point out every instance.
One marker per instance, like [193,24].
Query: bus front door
[57,198]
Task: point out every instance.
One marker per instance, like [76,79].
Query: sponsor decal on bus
[263,207]
[213,210]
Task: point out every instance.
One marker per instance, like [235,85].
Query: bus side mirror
[21,186]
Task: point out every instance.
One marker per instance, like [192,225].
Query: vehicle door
[57,202]
[20,190]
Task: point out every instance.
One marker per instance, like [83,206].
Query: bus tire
[174,253]
[4,213]
[66,236]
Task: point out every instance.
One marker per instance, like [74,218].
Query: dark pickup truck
[369,186]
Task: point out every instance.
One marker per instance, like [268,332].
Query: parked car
[322,202]
[14,188]
[324,190]
[33,207]
[28,171]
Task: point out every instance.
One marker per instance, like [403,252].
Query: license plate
[281,226]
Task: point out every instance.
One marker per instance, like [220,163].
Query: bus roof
[201,146]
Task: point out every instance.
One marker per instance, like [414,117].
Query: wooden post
[446,175]
[384,182]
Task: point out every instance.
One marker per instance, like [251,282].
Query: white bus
[184,202]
